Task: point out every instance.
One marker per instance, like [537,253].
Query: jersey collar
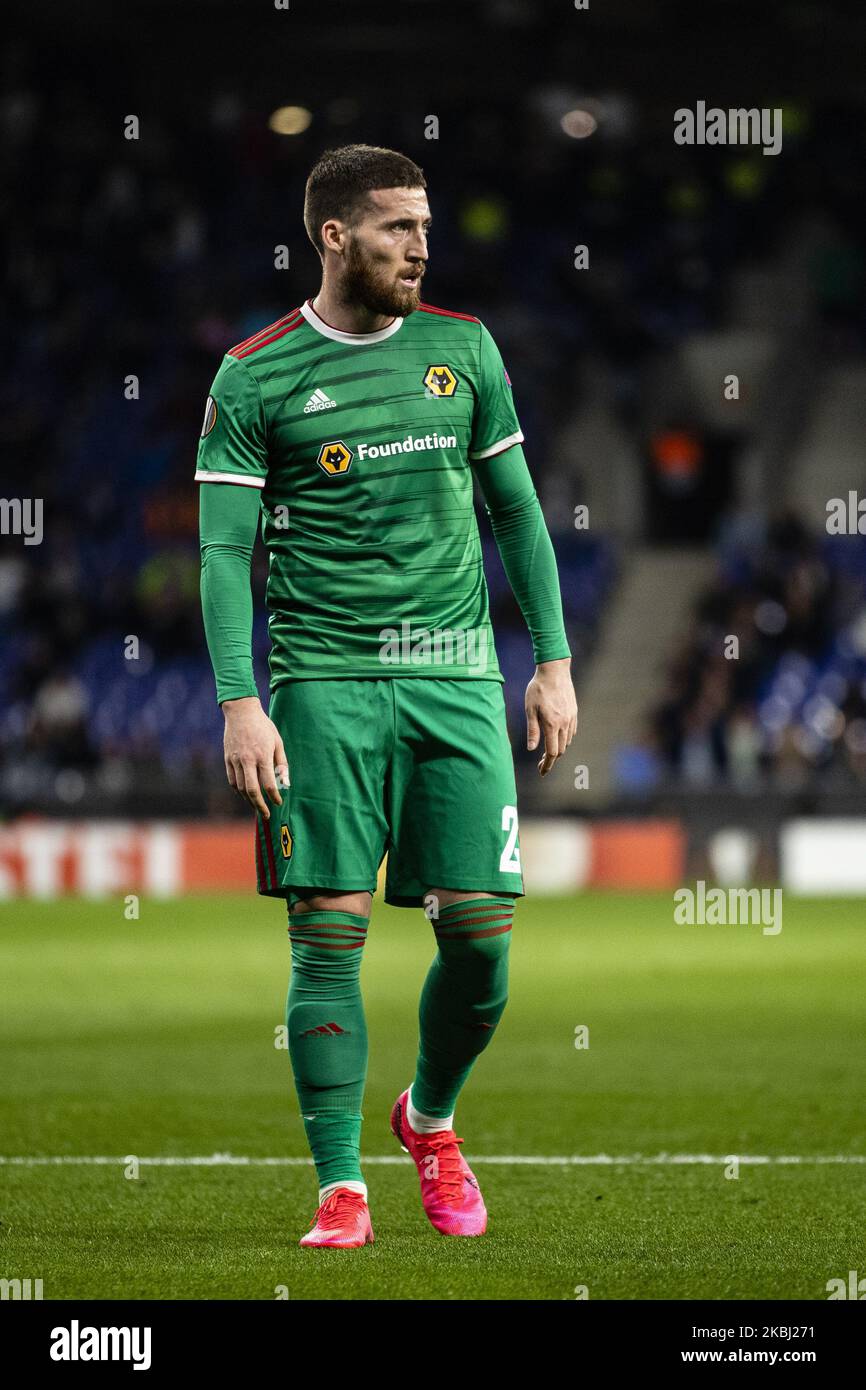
[357,339]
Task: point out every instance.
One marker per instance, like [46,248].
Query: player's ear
[333,236]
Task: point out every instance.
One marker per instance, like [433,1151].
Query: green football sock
[327,1036]
[463,998]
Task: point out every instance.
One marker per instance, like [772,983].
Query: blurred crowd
[767,690]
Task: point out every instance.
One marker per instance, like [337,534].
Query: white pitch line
[219,1160]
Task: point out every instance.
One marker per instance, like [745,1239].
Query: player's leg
[462,1001]
[327,1036]
[463,998]
[456,848]
[329,833]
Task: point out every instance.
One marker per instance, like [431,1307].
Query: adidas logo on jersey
[318,401]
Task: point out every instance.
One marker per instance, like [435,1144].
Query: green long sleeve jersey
[357,453]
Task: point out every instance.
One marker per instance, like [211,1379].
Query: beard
[377,289]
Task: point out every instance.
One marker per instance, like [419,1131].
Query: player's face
[386,252]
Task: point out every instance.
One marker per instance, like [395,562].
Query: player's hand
[551,710]
[255,758]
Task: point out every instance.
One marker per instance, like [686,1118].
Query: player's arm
[232,466]
[527,555]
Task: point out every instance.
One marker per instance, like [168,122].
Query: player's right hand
[254,755]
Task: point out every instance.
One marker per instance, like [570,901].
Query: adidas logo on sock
[318,401]
[326,1030]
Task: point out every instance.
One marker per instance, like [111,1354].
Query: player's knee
[482,959]
[435,899]
[481,932]
[323,900]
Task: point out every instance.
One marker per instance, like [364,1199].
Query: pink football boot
[449,1189]
[342,1222]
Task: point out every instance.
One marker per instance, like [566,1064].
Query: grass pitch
[155,1038]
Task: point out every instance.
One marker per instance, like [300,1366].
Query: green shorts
[418,769]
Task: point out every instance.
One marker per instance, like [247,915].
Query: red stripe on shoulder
[266,334]
[448,313]
[298,323]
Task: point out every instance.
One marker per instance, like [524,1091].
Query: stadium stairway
[646,616]
[828,459]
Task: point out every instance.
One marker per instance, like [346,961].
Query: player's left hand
[551,710]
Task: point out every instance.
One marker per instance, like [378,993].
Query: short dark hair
[341,179]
